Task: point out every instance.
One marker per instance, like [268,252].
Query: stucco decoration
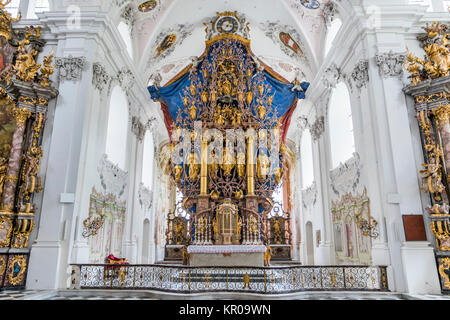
[330,11]
[127,15]
[70,68]
[317,128]
[360,74]
[145,197]
[331,76]
[345,178]
[126,79]
[390,64]
[309,195]
[167,40]
[101,79]
[138,128]
[287,38]
[113,179]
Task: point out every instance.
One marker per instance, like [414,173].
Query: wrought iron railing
[270,280]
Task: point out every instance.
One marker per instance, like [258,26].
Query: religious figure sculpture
[267,256]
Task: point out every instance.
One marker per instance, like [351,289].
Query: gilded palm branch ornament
[227,116]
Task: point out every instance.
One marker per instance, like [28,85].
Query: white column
[322,159]
[129,245]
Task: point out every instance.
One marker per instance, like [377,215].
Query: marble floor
[154,295]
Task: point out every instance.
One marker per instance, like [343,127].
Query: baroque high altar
[227,114]
[132,157]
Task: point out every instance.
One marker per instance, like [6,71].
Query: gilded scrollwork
[6,19]
[444,271]
[17,267]
[6,228]
[436,63]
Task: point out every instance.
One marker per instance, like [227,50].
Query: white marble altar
[233,255]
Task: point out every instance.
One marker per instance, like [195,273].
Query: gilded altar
[430,89]
[227,118]
[25,93]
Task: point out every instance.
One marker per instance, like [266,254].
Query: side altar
[227,115]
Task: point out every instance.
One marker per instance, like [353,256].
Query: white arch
[125,33]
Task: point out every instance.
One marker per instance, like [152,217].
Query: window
[116,139]
[278,198]
[124,31]
[306,158]
[147,165]
[13,7]
[341,126]
[179,211]
[332,32]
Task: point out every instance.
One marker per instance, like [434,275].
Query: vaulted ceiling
[185,18]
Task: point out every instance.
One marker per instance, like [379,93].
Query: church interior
[236,148]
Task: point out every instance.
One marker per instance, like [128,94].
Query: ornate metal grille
[274,280]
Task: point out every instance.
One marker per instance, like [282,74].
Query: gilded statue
[179,232]
[185,256]
[436,63]
[215,224]
[277,237]
[263,166]
[177,171]
[432,176]
[267,256]
[238,227]
[241,164]
[228,163]
[193,166]
[253,224]
[26,67]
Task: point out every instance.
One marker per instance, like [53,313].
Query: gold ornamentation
[436,63]
[444,266]
[193,166]
[167,42]
[179,232]
[246,279]
[47,70]
[2,264]
[277,236]
[268,257]
[442,233]
[92,226]
[432,173]
[15,278]
[21,115]
[6,19]
[26,67]
[6,228]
